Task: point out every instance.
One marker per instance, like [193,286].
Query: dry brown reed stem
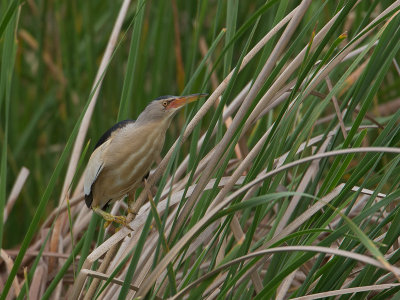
[9,265]
[281,96]
[127,245]
[285,75]
[39,280]
[15,191]
[259,82]
[146,260]
[205,160]
[103,276]
[232,107]
[284,287]
[136,224]
[302,187]
[337,108]
[214,84]
[210,292]
[14,253]
[103,267]
[213,295]
[396,66]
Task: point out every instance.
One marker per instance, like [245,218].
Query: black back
[164,97]
[108,133]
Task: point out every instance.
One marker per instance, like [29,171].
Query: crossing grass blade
[127,89]
[8,15]
[6,73]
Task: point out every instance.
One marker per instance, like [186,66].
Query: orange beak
[180,101]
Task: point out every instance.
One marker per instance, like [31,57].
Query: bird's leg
[148,190]
[131,202]
[109,218]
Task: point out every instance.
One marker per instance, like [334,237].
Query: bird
[125,153]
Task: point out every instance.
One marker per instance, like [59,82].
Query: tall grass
[283,183]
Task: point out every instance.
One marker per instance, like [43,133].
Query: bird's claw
[106,224]
[116,219]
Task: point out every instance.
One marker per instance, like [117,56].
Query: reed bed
[282,184]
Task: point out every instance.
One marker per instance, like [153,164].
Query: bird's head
[164,108]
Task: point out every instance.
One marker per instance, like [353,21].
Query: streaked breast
[128,160]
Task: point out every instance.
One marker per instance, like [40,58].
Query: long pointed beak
[180,101]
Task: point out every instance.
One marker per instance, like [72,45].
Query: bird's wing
[110,131]
[94,166]
[96,162]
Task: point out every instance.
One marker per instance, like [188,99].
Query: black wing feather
[89,200]
[108,133]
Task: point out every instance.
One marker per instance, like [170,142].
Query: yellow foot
[116,219]
[106,224]
[109,218]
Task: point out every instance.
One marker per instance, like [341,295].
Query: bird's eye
[165,104]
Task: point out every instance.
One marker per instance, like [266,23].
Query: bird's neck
[143,120]
[160,126]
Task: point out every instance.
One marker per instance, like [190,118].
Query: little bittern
[123,156]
